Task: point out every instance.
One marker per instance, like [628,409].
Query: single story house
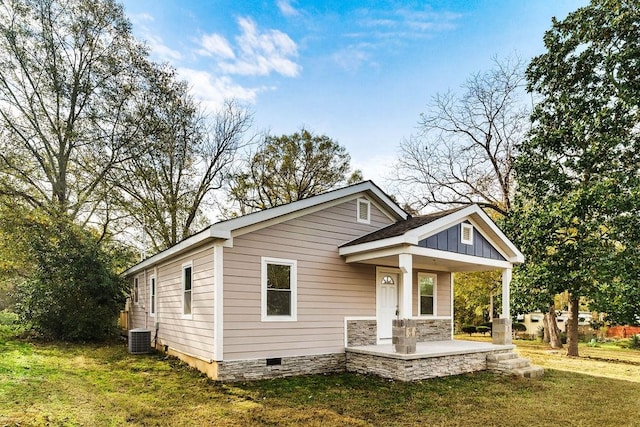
[314,286]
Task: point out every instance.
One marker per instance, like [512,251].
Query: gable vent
[364,211]
[466,236]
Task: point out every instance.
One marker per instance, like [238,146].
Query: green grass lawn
[60,384]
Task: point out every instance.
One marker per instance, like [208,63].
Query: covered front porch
[411,336]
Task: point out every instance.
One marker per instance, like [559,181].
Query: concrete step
[512,364]
[501,356]
[529,372]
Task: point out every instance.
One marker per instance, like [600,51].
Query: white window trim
[136,291]
[435,293]
[462,229]
[368,203]
[153,297]
[294,289]
[184,267]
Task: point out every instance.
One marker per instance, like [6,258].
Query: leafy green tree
[577,216]
[165,188]
[289,168]
[74,292]
[68,84]
[472,296]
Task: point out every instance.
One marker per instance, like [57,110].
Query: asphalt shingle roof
[401,227]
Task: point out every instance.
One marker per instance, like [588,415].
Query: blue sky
[360,72]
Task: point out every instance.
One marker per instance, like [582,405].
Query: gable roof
[223,230]
[400,227]
[410,231]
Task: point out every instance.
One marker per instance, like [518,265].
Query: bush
[482,329]
[468,329]
[518,327]
[73,293]
[634,341]
[8,318]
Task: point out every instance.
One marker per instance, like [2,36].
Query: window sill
[279,319]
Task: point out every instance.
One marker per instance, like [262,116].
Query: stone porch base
[433,359]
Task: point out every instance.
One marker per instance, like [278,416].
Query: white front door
[387,302]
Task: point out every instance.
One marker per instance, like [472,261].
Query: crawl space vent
[139,341]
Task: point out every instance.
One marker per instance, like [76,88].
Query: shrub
[518,327]
[482,329]
[468,329]
[8,318]
[634,341]
[73,293]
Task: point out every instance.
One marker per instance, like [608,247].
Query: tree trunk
[545,329]
[554,332]
[572,326]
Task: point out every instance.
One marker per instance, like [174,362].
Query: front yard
[95,385]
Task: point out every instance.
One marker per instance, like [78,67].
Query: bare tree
[464,150]
[67,87]
[164,189]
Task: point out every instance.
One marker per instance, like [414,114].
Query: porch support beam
[507,273]
[406,265]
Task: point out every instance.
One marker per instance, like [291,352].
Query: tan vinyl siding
[443,292]
[138,312]
[191,335]
[328,288]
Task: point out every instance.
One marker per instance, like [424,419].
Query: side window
[152,296]
[187,284]
[427,294]
[364,211]
[279,289]
[136,292]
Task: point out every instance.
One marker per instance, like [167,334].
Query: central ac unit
[139,341]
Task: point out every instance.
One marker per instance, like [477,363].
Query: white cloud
[161,50]
[286,8]
[352,58]
[262,52]
[215,44]
[213,91]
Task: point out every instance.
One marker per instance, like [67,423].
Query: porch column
[501,331]
[506,298]
[406,265]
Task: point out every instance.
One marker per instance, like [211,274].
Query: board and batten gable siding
[328,288]
[443,293]
[449,240]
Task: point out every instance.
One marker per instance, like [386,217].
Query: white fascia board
[454,256]
[378,244]
[517,257]
[512,253]
[207,234]
[268,214]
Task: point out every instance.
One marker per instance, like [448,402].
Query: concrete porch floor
[431,349]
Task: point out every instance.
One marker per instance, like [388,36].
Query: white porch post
[501,331]
[506,295]
[406,265]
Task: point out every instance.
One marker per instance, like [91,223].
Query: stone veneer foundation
[239,370]
[413,367]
